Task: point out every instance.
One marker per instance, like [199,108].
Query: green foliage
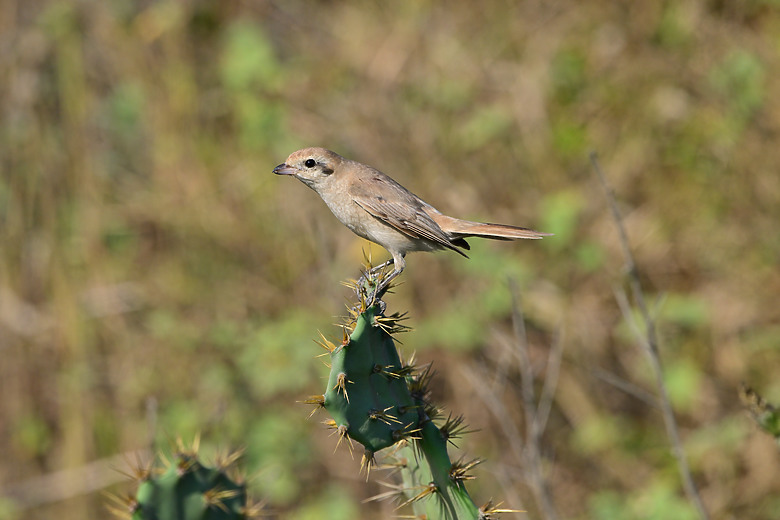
[684,311]
[248,60]
[31,435]
[590,256]
[763,339]
[658,502]
[335,500]
[448,330]
[485,125]
[250,73]
[124,110]
[278,446]
[739,78]
[569,138]
[721,438]
[486,301]
[675,26]
[598,434]
[683,382]
[8,510]
[561,214]
[568,75]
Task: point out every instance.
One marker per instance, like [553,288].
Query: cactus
[187,490]
[432,484]
[765,414]
[379,401]
[367,394]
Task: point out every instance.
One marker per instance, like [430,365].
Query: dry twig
[649,343]
[525,447]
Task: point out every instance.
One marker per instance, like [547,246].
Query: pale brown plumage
[377,208]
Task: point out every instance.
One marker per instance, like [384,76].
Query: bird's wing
[388,201]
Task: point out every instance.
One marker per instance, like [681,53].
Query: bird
[376,207]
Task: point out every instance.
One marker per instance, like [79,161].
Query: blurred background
[157,281]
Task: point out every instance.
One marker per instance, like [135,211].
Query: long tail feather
[465,228]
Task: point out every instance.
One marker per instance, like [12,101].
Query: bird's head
[312,166]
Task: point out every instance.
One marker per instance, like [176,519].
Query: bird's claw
[373,284]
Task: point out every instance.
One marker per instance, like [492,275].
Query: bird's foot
[373,284]
[371,279]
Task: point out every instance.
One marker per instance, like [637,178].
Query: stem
[650,344]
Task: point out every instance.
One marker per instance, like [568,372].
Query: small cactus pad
[187,490]
[367,394]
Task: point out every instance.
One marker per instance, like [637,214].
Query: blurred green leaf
[492,301]
[119,239]
[8,509]
[674,28]
[568,75]
[279,356]
[684,310]
[569,138]
[493,261]
[449,94]
[762,339]
[278,446]
[449,330]
[722,437]
[248,61]
[484,125]
[597,433]
[125,107]
[179,418]
[331,502]
[58,18]
[662,501]
[250,72]
[561,216]
[739,78]
[683,382]
[31,435]
[590,256]
[609,505]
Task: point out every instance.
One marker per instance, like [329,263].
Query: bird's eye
[310,163]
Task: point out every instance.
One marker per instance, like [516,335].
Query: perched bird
[377,208]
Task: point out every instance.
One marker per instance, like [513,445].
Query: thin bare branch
[533,426]
[649,342]
[627,387]
[68,483]
[550,382]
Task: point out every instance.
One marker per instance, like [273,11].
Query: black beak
[284,169]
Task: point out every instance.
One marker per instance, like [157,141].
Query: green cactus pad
[367,393]
[187,490]
[379,401]
[433,485]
